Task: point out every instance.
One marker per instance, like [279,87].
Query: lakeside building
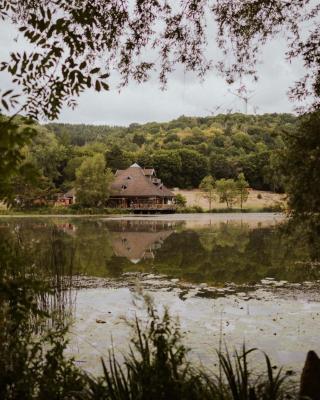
[66,199]
[139,189]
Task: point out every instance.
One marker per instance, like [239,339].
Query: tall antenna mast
[243,94]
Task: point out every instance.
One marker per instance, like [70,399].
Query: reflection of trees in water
[116,266]
[39,255]
[235,252]
[92,247]
[226,234]
[229,251]
[300,239]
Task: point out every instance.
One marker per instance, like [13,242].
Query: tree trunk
[310,378]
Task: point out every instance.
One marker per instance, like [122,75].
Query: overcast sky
[185,94]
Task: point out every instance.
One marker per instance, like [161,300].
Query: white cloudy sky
[185,93]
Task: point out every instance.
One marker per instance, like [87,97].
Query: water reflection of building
[139,240]
[66,227]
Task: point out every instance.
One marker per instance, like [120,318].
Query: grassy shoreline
[103,213]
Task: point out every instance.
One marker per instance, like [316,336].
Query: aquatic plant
[33,363]
[157,368]
[32,335]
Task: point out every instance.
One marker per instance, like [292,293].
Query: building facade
[139,189]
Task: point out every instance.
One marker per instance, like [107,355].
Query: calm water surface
[211,248]
[197,249]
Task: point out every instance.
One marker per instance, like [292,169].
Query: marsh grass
[156,368]
[33,364]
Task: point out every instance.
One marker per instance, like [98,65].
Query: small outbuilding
[66,199]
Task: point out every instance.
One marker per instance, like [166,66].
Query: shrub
[190,210]
[181,200]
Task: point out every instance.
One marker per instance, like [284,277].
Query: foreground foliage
[70,39]
[303,165]
[34,366]
[32,336]
[157,369]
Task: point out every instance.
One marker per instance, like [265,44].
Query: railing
[153,206]
[147,206]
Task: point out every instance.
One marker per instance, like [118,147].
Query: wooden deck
[151,208]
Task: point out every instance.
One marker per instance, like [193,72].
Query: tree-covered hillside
[184,150]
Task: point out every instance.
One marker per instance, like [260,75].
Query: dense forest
[182,151]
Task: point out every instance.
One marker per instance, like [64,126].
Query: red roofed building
[139,189]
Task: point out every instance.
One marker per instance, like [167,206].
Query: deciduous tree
[93,182]
[227,191]
[194,167]
[69,39]
[207,186]
[180,200]
[242,189]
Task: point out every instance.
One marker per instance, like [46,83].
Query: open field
[268,199]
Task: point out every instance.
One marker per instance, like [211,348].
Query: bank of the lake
[98,212]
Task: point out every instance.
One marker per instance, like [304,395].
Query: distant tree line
[182,151]
[68,42]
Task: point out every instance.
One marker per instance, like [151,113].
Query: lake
[229,277]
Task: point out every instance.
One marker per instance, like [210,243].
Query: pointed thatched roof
[137,245]
[138,182]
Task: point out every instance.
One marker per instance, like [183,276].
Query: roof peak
[135,165]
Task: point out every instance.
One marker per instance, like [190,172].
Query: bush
[190,210]
[181,200]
